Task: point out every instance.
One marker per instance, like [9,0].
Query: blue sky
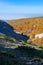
[15,9]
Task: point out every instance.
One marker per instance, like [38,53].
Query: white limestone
[39,35]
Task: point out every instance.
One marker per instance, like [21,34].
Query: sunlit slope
[28,26]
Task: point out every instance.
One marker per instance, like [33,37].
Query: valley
[21,42]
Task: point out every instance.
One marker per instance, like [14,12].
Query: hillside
[29,26]
[13,48]
[7,30]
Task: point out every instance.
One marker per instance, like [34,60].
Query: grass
[8,38]
[7,58]
[31,52]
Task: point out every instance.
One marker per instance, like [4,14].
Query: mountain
[7,29]
[28,26]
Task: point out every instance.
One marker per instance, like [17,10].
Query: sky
[16,9]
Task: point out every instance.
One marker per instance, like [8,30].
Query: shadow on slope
[14,56]
[6,29]
[30,52]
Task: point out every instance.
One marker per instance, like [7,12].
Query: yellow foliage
[29,41]
[29,26]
